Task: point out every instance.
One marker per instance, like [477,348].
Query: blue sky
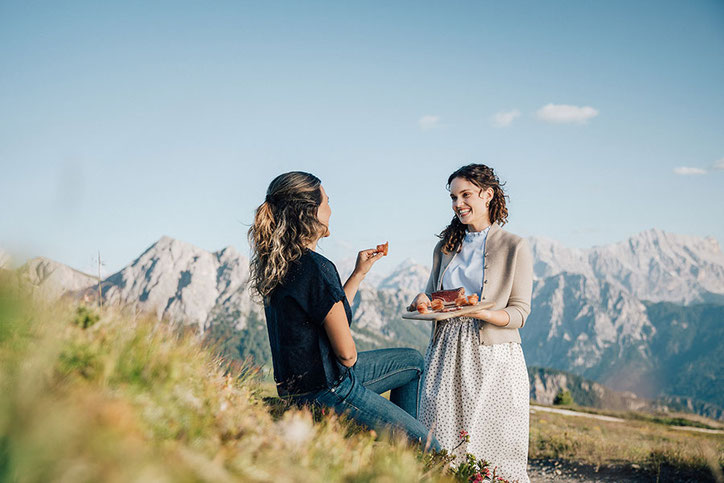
[125,121]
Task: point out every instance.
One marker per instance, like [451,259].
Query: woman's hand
[495,317]
[420,298]
[365,260]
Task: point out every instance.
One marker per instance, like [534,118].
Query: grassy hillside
[108,397]
[92,396]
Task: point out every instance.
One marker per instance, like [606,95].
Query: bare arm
[340,337]
[501,318]
[365,260]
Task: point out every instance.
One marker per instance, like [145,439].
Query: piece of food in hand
[383,248]
[422,308]
[448,295]
[473,299]
[437,304]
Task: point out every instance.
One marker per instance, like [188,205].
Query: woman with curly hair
[308,316]
[476,380]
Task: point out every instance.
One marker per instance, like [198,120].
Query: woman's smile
[463,212]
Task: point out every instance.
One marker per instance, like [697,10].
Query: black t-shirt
[301,352]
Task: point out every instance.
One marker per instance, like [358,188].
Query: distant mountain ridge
[597,313]
[653,265]
[184,284]
[51,279]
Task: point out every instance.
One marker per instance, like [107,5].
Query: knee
[415,359]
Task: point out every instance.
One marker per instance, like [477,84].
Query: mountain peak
[54,278]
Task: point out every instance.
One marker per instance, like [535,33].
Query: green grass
[103,396]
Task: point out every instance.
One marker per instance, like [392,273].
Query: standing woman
[476,379]
[308,316]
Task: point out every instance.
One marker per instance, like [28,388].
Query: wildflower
[476,478]
[373,433]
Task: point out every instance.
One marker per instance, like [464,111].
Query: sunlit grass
[113,398]
[106,396]
[639,441]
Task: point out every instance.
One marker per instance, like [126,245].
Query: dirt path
[567,412]
[543,471]
[561,471]
[534,408]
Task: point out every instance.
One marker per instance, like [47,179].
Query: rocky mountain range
[644,315]
[653,265]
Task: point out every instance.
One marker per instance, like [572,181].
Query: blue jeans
[358,394]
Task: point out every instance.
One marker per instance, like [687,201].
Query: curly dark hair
[284,224]
[483,177]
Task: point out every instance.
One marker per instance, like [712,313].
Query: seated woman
[308,316]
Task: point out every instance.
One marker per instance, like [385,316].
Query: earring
[487,204]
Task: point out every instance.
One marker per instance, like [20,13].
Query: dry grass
[130,400]
[116,398]
[641,442]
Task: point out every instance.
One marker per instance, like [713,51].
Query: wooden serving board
[467,309]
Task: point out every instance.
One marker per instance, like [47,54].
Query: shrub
[563,398]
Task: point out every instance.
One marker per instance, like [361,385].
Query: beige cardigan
[508,282]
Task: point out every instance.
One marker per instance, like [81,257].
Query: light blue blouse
[466,268]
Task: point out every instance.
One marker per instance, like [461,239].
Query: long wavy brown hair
[284,225]
[483,177]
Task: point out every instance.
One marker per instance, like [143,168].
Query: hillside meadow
[102,396]
[91,395]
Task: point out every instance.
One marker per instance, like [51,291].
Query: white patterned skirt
[480,389]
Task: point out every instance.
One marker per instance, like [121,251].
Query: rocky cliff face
[653,265]
[545,384]
[184,284]
[50,279]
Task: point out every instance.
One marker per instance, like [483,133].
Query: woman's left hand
[483,314]
[495,317]
[365,260]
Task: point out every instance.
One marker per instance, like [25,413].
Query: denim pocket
[342,390]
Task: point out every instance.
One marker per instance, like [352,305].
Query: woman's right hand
[420,298]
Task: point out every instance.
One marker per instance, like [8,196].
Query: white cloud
[718,165]
[687,171]
[428,121]
[563,113]
[504,119]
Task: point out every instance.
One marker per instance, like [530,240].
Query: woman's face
[324,211]
[469,203]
